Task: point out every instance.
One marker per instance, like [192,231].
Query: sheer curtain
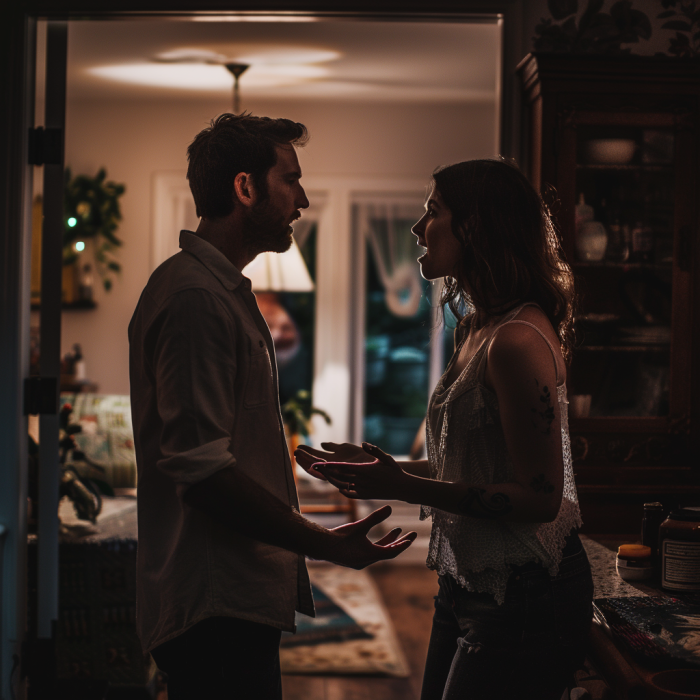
[387,228]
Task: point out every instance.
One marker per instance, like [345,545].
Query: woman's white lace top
[470,447]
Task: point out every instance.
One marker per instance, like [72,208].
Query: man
[221,568]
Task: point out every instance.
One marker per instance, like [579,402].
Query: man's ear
[245,190]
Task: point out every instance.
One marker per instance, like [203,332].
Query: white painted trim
[170,194]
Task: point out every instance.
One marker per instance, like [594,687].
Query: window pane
[397,334]
[290,316]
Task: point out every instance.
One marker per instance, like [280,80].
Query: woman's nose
[418,227]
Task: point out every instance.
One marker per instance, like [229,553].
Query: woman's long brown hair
[510,249]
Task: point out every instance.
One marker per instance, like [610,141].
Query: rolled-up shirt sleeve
[194,363]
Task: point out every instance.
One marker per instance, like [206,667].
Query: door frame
[18,34]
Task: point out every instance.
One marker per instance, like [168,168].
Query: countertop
[626,677]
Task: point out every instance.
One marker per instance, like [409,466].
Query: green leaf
[107,284]
[323,414]
[114,266]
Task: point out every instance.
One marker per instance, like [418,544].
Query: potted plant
[92,213]
[296,415]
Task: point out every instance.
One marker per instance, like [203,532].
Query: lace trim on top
[471,448]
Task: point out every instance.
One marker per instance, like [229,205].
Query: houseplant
[296,415]
[92,213]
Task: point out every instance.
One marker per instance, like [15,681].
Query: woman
[514,605]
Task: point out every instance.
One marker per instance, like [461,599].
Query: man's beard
[266,229]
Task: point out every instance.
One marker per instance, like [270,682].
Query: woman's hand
[307,456]
[382,478]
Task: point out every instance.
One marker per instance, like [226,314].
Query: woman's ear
[244,188]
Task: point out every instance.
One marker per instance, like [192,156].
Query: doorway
[97,131]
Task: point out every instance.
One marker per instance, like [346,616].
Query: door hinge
[40,396]
[45,146]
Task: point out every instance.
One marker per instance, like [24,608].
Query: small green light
[80,246]
[72,221]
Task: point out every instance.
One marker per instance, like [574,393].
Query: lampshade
[279,272]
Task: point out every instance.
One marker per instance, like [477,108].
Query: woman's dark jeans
[529,647]
[222,658]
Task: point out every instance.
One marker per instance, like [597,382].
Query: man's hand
[381,478]
[356,551]
[306,456]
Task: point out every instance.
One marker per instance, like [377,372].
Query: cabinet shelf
[657,347]
[643,167]
[625,265]
[639,353]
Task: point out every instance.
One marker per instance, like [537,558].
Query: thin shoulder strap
[549,345]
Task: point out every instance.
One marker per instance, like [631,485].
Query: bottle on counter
[651,521]
[679,545]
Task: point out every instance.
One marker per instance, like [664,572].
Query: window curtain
[387,228]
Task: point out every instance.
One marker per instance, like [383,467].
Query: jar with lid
[679,545]
[651,521]
[633,562]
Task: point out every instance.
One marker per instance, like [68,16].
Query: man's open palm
[356,551]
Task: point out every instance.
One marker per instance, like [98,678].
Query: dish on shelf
[646,335]
[610,151]
[599,318]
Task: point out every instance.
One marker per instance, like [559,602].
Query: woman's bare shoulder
[514,343]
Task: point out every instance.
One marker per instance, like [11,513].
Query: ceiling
[305,58]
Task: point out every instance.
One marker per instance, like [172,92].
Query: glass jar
[679,544]
[633,562]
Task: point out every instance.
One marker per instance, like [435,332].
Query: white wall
[133,140]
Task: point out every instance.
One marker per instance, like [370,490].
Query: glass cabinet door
[623,248]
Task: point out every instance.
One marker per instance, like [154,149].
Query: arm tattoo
[478,505]
[546,413]
[541,485]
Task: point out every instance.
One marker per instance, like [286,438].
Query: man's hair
[510,247]
[232,144]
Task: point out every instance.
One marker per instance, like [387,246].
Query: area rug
[331,624]
[357,594]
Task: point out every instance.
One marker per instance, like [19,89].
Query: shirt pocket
[259,384]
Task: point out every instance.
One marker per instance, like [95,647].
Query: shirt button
[261,343]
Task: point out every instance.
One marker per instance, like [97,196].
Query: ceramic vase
[591,241]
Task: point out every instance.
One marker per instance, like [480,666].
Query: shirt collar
[215,261]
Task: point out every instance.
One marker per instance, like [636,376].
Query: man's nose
[302,200]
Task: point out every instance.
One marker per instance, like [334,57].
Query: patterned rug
[356,593]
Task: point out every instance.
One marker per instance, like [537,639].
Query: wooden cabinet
[618,139]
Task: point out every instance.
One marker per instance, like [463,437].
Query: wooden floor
[408,595]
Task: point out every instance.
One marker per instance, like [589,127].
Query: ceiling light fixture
[236,70]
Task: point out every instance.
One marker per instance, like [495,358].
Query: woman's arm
[415,467]
[522,372]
